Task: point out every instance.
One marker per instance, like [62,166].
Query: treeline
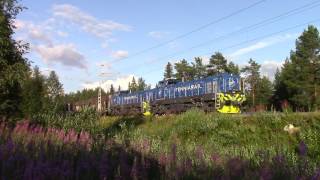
[24,91]
[183,70]
[140,85]
[83,95]
[296,84]
[261,88]
[42,93]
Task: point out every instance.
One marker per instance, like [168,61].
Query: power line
[192,31]
[260,24]
[252,40]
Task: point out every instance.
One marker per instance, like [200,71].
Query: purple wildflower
[316,176]
[188,165]
[146,145]
[134,169]
[163,159]
[235,167]
[302,149]
[173,153]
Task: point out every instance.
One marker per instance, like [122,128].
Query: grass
[190,145]
[228,135]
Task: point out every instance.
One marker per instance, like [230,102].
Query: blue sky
[75,38]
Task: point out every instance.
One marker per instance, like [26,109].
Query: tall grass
[244,136]
[190,145]
[29,151]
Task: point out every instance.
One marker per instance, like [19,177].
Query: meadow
[192,145]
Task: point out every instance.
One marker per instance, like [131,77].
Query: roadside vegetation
[191,145]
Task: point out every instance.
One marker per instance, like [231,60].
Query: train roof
[179,83]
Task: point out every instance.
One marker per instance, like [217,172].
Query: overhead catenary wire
[251,40]
[192,31]
[246,29]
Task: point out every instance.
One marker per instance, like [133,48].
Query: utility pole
[99,99]
[103,75]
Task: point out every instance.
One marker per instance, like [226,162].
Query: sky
[92,43]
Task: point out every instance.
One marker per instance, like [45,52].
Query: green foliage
[233,68]
[13,66]
[84,94]
[138,86]
[111,89]
[133,85]
[199,68]
[264,91]
[168,73]
[83,121]
[299,77]
[54,93]
[34,93]
[54,87]
[245,135]
[217,64]
[183,70]
[252,73]
[141,84]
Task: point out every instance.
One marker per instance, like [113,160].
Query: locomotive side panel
[178,97]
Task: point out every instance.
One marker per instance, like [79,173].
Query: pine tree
[280,93]
[55,88]
[264,91]
[301,74]
[252,74]
[183,70]
[168,71]
[119,88]
[233,68]
[111,91]
[133,86]
[129,86]
[141,84]
[199,68]
[34,94]
[54,93]
[217,64]
[14,68]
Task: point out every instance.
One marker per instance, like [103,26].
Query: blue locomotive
[221,92]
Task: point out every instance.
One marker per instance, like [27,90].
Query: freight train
[222,93]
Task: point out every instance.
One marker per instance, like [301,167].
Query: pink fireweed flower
[216,159]
[73,136]
[163,159]
[146,145]
[85,139]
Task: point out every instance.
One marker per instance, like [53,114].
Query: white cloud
[269,68]
[158,34]
[40,39]
[19,24]
[120,54]
[65,54]
[205,60]
[62,34]
[87,22]
[34,32]
[45,71]
[121,81]
[262,44]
